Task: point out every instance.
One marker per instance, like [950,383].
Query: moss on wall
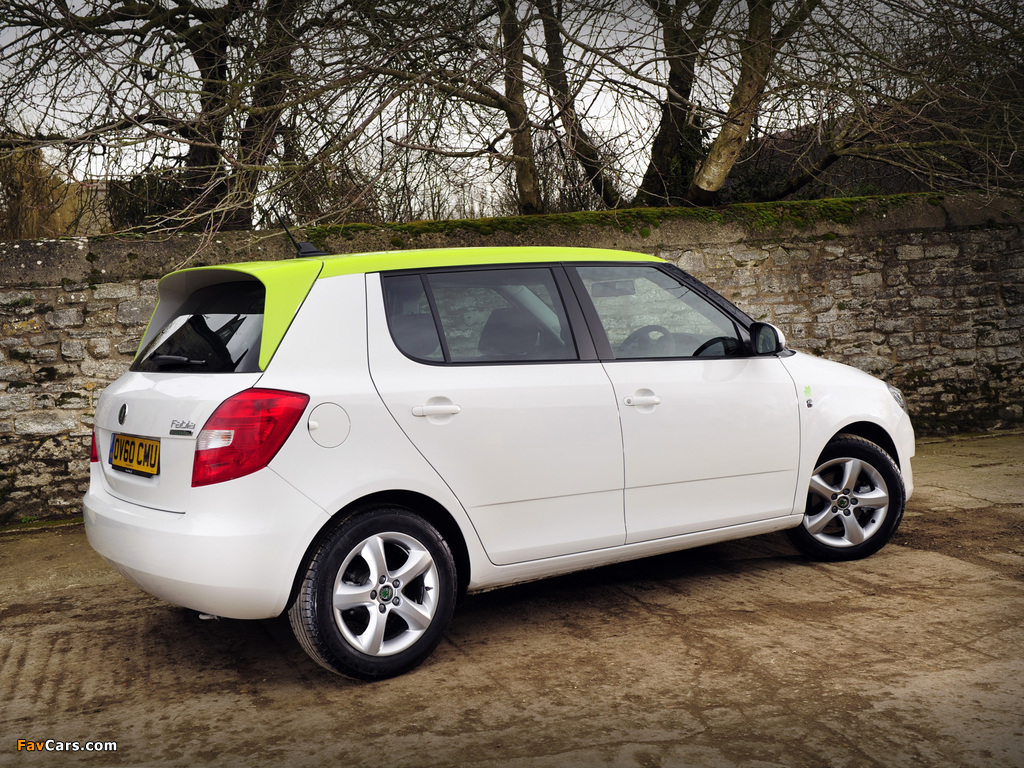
[762,218]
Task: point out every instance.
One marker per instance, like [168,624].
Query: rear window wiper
[168,360]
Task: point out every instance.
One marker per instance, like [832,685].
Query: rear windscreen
[217,330]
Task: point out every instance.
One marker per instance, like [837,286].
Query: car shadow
[172,643]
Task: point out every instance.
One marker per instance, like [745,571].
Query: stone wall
[928,294]
[59,346]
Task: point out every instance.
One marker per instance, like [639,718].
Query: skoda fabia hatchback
[359,440]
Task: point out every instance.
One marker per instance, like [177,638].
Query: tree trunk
[756,61]
[525,163]
[676,149]
[204,180]
[580,145]
[272,68]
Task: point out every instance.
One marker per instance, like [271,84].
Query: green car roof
[288,282]
[385,261]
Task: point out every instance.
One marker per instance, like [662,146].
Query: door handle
[448,409]
[641,400]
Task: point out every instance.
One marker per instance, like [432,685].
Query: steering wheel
[641,338]
[727,342]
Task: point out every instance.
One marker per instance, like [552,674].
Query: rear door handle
[643,400]
[436,410]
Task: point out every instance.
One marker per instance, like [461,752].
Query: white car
[359,440]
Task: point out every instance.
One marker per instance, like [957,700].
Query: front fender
[836,398]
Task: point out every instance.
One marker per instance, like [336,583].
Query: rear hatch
[148,458]
[211,336]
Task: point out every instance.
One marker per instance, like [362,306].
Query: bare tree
[929,89]
[577,139]
[765,37]
[930,98]
[226,113]
[676,149]
[473,56]
[206,90]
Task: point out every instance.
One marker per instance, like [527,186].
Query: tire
[377,595]
[854,504]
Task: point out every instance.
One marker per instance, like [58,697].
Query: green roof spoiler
[287,284]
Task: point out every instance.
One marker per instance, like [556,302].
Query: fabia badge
[182,427]
[122,413]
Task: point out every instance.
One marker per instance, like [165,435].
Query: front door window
[647,313]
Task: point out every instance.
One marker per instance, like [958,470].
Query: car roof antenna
[301,249]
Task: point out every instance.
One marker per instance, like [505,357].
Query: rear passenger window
[217,330]
[412,324]
[487,315]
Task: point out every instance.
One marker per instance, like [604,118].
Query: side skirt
[495,576]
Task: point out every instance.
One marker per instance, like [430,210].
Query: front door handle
[448,409]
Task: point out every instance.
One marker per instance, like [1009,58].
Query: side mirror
[766,339]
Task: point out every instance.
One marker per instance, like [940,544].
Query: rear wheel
[377,595]
[854,504]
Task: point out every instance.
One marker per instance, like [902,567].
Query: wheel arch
[873,432]
[427,508]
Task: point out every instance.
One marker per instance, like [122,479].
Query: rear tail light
[245,433]
[94,453]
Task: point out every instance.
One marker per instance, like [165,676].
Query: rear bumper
[234,553]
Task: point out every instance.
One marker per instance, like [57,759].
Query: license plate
[135,455]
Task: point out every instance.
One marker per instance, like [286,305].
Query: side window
[485,315]
[647,313]
[409,317]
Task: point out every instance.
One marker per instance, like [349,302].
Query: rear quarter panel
[324,356]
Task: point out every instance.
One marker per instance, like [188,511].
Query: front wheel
[377,595]
[854,504]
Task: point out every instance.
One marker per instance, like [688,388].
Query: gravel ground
[740,654]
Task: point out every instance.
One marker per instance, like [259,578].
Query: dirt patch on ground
[993,538]
[740,654]
[969,502]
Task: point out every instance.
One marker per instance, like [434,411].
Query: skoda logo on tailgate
[122,413]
